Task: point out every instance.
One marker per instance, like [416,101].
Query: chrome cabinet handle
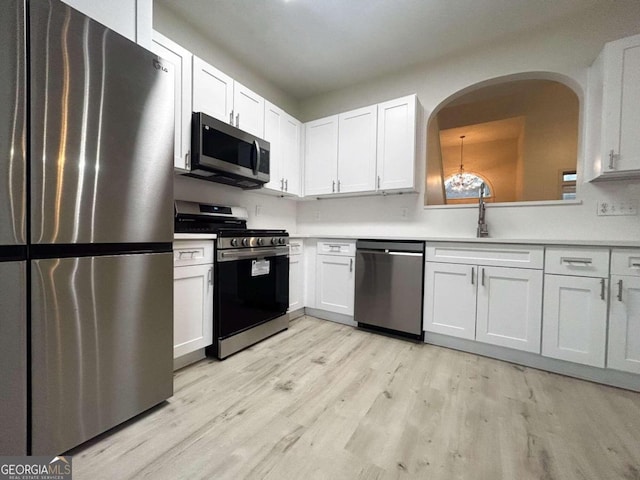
[187,160]
[619,290]
[602,285]
[210,276]
[184,252]
[378,182]
[582,261]
[473,274]
[286,185]
[338,186]
[611,158]
[635,265]
[483,277]
[237,120]
[282,184]
[231,117]
[351,265]
[333,186]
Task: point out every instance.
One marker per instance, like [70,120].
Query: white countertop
[194,236]
[511,241]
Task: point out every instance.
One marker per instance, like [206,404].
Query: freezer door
[101,133]
[12,123]
[102,344]
[13,359]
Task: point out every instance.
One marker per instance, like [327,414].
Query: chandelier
[462,181]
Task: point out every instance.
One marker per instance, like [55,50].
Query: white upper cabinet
[212,91]
[181,60]
[357,150]
[321,156]
[282,131]
[614,107]
[375,150]
[397,144]
[291,136]
[248,110]
[218,95]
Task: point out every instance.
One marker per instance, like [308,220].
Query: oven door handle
[251,253]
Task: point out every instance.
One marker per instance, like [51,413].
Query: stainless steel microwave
[225,154]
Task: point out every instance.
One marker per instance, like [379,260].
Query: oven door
[252,287]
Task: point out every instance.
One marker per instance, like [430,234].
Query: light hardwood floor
[326,401]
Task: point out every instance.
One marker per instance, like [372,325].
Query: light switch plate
[617,208]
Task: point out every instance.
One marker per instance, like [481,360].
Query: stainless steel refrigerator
[86,147]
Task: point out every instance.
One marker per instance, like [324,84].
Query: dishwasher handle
[391,252]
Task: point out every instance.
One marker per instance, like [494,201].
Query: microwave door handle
[256,167]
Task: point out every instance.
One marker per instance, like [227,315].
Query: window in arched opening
[473,191]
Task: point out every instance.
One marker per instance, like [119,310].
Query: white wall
[566,50]
[275,212]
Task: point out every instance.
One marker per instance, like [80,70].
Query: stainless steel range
[251,286]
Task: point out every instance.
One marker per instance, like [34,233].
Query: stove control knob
[274,241]
[282,241]
[245,242]
[260,241]
[234,242]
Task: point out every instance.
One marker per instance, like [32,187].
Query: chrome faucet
[483,230]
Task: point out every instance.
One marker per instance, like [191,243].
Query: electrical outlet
[618,208]
[404,213]
[258,210]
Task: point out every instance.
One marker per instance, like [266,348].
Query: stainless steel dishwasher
[389,286]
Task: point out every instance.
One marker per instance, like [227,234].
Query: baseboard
[293,315]
[331,316]
[188,359]
[614,378]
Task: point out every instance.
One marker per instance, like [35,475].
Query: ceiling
[507,129]
[308,47]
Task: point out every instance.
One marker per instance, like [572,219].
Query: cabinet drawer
[192,252]
[296,246]
[520,256]
[625,262]
[581,262]
[345,248]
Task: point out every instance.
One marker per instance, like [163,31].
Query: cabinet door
[622,105]
[321,156]
[335,283]
[295,282]
[192,308]
[510,307]
[181,59]
[357,132]
[291,142]
[212,91]
[575,319]
[624,324]
[248,110]
[450,299]
[397,144]
[273,133]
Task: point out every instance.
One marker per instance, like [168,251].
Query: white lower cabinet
[575,319]
[509,309]
[450,299]
[296,275]
[624,312]
[624,324]
[492,301]
[335,277]
[192,296]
